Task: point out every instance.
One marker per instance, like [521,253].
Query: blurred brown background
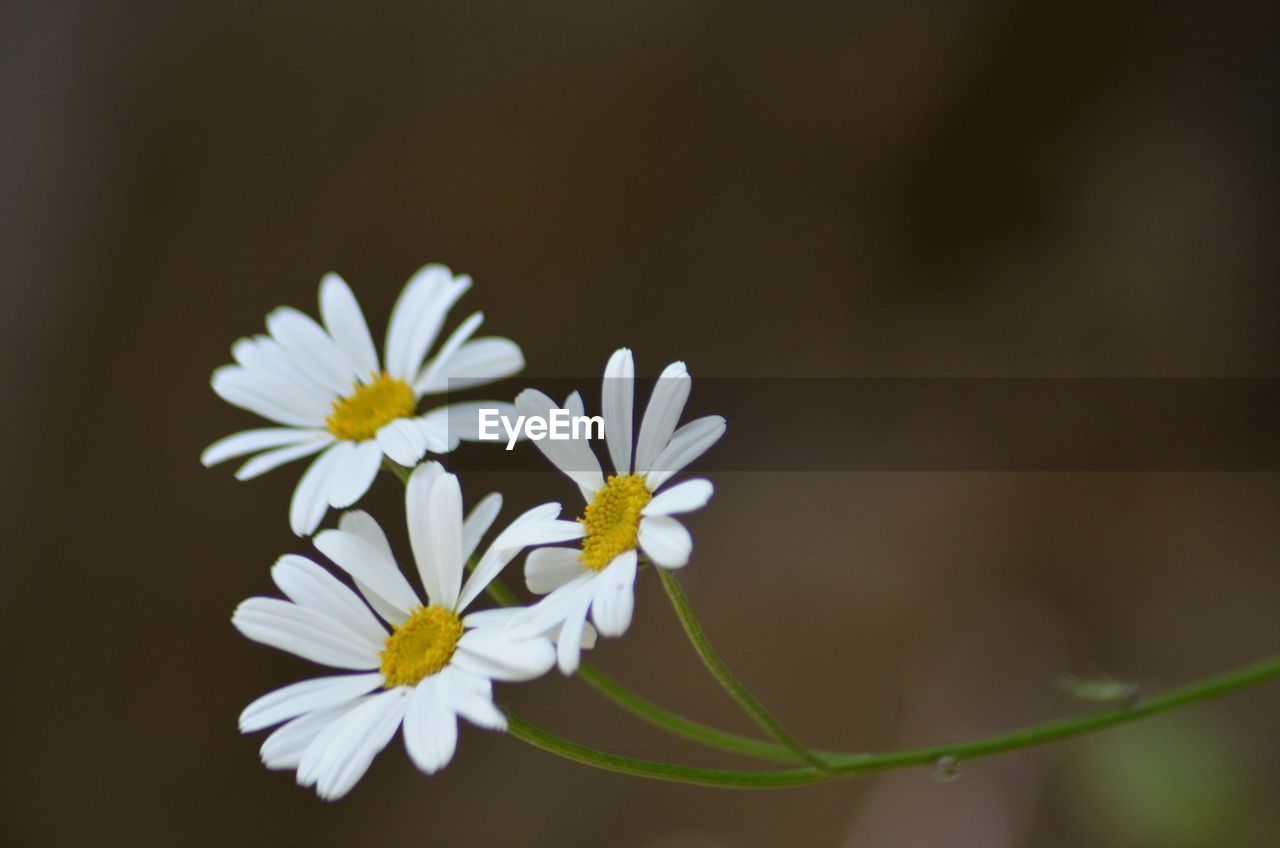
[954,188]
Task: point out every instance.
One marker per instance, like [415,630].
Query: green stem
[652,713]
[748,702]
[850,765]
[397,469]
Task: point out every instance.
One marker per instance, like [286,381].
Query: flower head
[333,396]
[417,665]
[626,512]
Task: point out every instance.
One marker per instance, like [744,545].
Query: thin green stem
[397,469]
[748,702]
[850,765]
[652,713]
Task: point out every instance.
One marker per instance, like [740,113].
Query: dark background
[874,189]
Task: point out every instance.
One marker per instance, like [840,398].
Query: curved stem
[658,716]
[850,765]
[748,702]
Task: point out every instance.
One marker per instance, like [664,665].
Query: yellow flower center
[612,520]
[361,414]
[421,646]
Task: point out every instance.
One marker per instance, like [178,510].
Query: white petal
[689,442]
[346,325]
[471,697]
[569,643]
[269,396]
[555,608]
[343,752]
[614,596]
[432,370]
[665,540]
[283,749]
[310,497]
[574,404]
[252,441]
[686,497]
[312,350]
[618,395]
[304,632]
[572,456]
[430,727]
[353,474]
[370,566]
[361,524]
[531,528]
[478,522]
[476,363]
[417,506]
[464,419]
[446,539]
[547,569]
[305,697]
[263,354]
[272,459]
[309,585]
[667,401]
[402,441]
[491,652]
[417,317]
[492,617]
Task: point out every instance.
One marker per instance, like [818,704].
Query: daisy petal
[478,522]
[665,540]
[446,539]
[493,653]
[686,497]
[269,396]
[309,585]
[312,350]
[477,363]
[309,498]
[372,568]
[252,441]
[346,325]
[614,596]
[361,524]
[569,642]
[430,727]
[552,610]
[547,569]
[263,354]
[309,634]
[471,697]
[417,317]
[353,475]
[272,459]
[441,360]
[343,752]
[667,401]
[618,396]
[422,530]
[464,419]
[283,749]
[572,456]
[305,697]
[689,442]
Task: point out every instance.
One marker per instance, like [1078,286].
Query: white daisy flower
[623,513]
[333,396]
[427,665]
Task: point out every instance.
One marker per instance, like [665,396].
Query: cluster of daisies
[420,660]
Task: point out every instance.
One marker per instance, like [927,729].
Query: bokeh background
[871,189]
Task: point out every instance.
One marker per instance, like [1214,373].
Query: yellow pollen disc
[361,414]
[421,646]
[612,520]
